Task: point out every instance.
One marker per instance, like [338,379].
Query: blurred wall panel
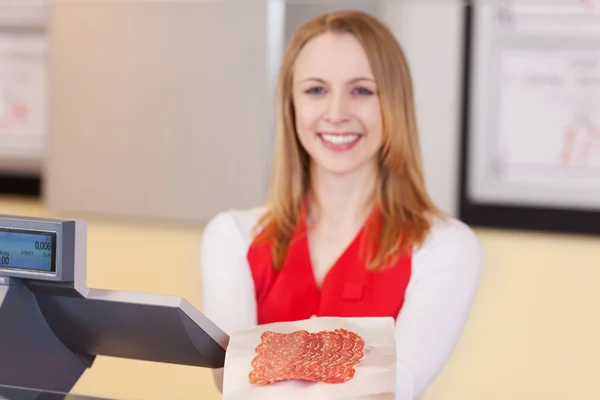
[299,12]
[158,109]
[431,34]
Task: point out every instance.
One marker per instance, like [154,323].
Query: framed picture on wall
[531,122]
[23,95]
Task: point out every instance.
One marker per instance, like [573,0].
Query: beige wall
[533,333]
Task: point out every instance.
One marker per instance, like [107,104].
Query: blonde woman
[349,229]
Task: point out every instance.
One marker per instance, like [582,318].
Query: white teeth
[339,139]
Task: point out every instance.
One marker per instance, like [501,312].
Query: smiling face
[326,87]
[337,112]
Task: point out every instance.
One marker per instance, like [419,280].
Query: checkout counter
[52,326]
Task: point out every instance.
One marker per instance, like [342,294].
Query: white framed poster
[23,100]
[531,151]
[23,103]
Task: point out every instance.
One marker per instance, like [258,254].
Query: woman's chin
[338,167]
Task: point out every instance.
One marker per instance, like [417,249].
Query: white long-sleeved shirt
[445,275]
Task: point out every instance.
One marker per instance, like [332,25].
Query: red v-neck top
[348,290]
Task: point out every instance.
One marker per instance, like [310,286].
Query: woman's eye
[315,90]
[363,91]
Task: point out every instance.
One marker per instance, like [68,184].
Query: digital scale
[52,326]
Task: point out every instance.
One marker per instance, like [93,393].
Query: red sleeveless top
[348,290]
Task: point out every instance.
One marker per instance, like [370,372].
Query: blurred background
[146,118]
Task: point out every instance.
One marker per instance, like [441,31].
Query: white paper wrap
[375,376]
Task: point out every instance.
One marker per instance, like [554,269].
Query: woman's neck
[341,201]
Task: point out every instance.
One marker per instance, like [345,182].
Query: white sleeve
[227,285]
[446,274]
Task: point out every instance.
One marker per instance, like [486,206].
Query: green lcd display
[27,250]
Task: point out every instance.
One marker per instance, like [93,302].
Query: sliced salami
[277,354]
[324,356]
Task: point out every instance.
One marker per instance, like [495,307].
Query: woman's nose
[336,109]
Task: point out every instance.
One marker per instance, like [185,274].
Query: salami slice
[276,356]
[324,356]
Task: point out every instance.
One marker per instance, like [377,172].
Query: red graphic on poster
[580,143]
[589,4]
[14,114]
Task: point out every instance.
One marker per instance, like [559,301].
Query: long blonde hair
[401,199]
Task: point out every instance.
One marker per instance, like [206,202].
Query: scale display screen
[27,250]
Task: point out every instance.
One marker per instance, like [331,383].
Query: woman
[349,229]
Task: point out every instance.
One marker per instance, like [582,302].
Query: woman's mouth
[340,141]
